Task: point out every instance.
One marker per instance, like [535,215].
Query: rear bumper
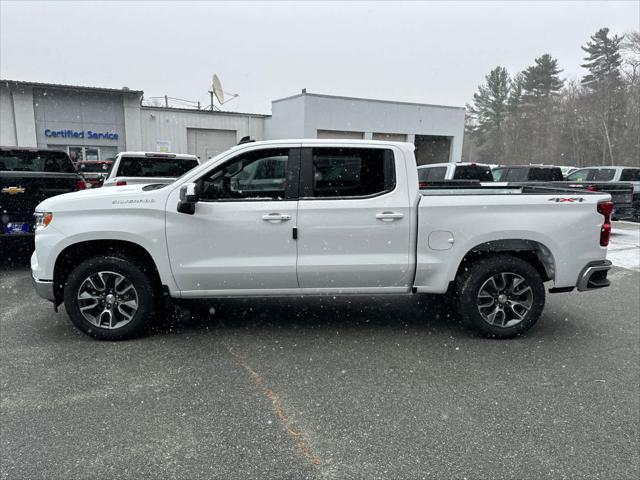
[44,288]
[594,276]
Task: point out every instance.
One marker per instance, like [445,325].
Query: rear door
[353,221]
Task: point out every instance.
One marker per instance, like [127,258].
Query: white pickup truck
[316,217]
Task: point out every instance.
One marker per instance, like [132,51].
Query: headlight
[43,219]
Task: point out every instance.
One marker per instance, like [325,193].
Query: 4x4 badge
[566,199]
[13,190]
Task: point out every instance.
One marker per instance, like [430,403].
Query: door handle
[276,217]
[389,216]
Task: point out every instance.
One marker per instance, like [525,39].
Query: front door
[240,239]
[354,225]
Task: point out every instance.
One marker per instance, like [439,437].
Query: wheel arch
[74,254]
[532,251]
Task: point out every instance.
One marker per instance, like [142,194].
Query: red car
[94,171]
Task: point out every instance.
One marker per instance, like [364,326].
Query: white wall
[7,120]
[303,115]
[17,118]
[167,125]
[287,119]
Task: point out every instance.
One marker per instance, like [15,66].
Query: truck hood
[97,198]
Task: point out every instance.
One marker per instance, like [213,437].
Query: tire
[123,293]
[501,296]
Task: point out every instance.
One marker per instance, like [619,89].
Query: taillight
[592,188]
[80,185]
[422,184]
[119,183]
[605,208]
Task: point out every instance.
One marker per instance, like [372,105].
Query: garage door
[432,149]
[340,135]
[390,137]
[207,143]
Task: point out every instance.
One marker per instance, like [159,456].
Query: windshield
[37,161]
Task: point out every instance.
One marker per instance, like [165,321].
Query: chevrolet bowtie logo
[13,190]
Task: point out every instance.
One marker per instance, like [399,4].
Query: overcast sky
[417,52]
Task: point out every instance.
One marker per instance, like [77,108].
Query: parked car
[612,174]
[149,167]
[566,170]
[94,171]
[438,172]
[528,173]
[345,217]
[621,193]
[27,177]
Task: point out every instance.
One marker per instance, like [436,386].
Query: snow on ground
[624,248]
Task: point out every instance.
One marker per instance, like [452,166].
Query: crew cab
[130,168]
[438,172]
[27,177]
[335,218]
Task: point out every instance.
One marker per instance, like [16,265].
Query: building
[435,130]
[96,123]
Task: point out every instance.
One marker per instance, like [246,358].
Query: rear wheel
[501,296]
[109,298]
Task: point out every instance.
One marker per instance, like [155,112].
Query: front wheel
[109,298]
[501,296]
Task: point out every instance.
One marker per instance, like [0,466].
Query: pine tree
[541,84]
[542,79]
[489,113]
[603,60]
[604,81]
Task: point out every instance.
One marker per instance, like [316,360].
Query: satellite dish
[216,87]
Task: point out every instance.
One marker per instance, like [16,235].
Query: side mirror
[189,195]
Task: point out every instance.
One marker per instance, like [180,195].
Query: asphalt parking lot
[322,388]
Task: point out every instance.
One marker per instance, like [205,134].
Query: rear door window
[347,172]
[36,161]
[154,167]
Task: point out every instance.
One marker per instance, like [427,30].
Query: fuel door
[441,240]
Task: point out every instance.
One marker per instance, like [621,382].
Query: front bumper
[594,276]
[44,288]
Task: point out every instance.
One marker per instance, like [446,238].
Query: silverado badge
[13,190]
